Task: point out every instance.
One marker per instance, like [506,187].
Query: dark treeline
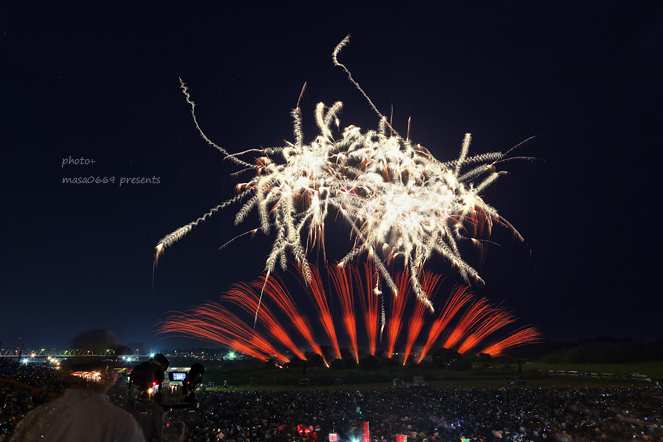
[598,351]
[608,353]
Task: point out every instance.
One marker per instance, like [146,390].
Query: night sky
[100,81]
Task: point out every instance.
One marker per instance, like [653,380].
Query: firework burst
[403,205]
[463,323]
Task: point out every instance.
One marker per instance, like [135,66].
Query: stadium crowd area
[423,414]
[24,387]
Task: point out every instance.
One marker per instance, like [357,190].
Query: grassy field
[533,376]
[258,376]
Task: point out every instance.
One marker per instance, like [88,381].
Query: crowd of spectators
[24,387]
[422,414]
[428,415]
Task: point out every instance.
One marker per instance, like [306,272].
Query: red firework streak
[369,301]
[429,283]
[214,323]
[343,284]
[273,288]
[395,323]
[317,293]
[244,296]
[476,313]
[498,318]
[524,336]
[460,296]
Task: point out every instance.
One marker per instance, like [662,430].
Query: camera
[155,390]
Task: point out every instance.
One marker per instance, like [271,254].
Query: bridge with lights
[43,353]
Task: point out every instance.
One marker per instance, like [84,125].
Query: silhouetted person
[80,415]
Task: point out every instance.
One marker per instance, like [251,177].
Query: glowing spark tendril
[401,203]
